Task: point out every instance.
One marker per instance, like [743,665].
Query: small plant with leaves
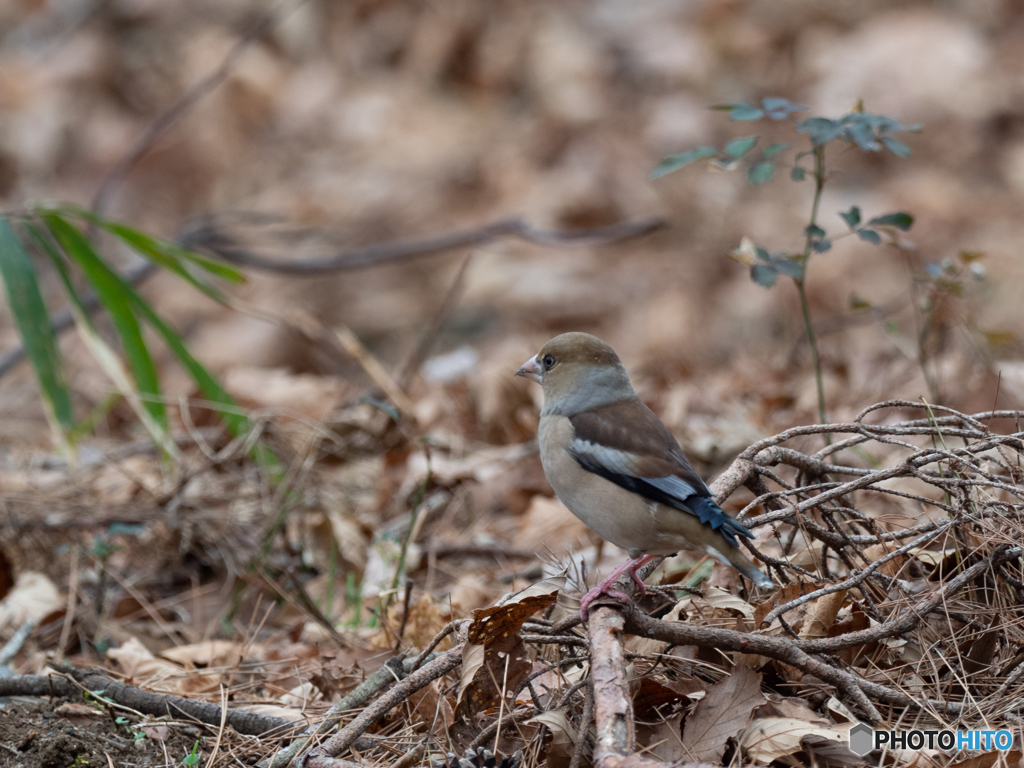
[58,234]
[863,130]
[192,758]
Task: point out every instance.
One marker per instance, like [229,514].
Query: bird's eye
[549,362]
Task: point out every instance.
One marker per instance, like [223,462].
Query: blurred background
[379,120]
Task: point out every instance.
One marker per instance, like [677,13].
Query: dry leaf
[666,742]
[293,393]
[930,556]
[788,707]
[839,711]
[430,706]
[495,659]
[563,736]
[650,696]
[770,738]
[719,598]
[782,596]
[33,596]
[721,714]
[548,686]
[829,753]
[138,664]
[822,615]
[561,729]
[300,696]
[880,550]
[212,653]
[79,715]
[156,732]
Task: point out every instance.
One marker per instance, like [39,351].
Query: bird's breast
[616,515]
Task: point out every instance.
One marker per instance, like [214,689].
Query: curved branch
[207,238]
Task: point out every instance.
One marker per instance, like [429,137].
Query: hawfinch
[617,468]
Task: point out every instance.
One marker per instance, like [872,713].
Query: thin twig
[321,756]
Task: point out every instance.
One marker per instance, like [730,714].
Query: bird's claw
[596,592]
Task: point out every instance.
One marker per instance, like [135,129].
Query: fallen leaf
[829,753]
[138,664]
[561,729]
[719,598]
[495,659]
[930,556]
[548,525]
[721,714]
[431,707]
[300,696]
[666,742]
[79,715]
[212,653]
[781,597]
[839,711]
[822,614]
[650,695]
[563,736]
[156,732]
[33,596]
[293,393]
[770,738]
[777,706]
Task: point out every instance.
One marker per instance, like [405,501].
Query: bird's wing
[627,444]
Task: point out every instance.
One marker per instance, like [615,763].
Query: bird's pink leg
[606,586]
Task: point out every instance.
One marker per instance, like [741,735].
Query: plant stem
[819,184]
[407,540]
[815,356]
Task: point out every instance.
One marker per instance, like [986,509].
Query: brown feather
[630,426]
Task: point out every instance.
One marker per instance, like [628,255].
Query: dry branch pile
[897,551]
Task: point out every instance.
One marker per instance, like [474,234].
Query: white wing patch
[672,485]
[624,463]
[611,459]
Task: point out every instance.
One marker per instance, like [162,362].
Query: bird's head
[577,371]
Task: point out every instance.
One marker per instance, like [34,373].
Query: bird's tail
[735,557]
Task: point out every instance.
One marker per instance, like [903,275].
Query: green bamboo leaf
[37,336]
[110,290]
[166,254]
[102,352]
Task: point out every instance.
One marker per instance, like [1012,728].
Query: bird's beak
[530,369]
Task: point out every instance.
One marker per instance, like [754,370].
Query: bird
[618,468]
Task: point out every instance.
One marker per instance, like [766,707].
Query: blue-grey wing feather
[688,495]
